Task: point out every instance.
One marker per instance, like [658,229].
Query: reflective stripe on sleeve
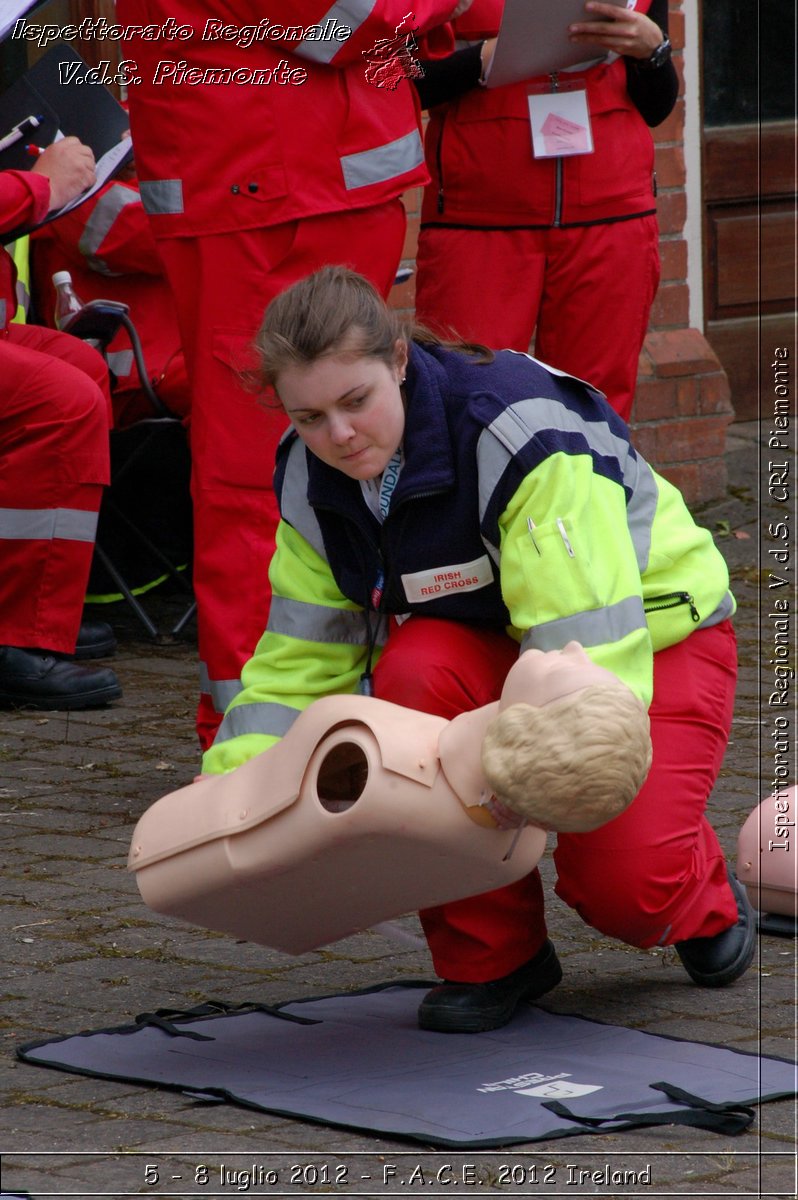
[351,13]
[47,524]
[383,162]
[515,427]
[317,622]
[120,361]
[596,627]
[269,719]
[100,223]
[294,507]
[161,196]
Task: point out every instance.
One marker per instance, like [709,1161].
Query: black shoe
[95,640]
[476,1007]
[36,679]
[719,960]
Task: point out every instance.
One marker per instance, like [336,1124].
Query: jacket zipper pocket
[672,600]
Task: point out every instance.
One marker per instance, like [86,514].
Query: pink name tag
[560,124]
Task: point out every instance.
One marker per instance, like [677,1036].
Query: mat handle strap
[166,1026]
[728,1118]
[735,1116]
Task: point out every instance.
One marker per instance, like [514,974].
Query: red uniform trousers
[222,284]
[54,421]
[653,876]
[585,292]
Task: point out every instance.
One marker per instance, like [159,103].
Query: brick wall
[682,405]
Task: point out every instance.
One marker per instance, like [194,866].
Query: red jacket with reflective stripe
[253,151]
[479,150]
[107,245]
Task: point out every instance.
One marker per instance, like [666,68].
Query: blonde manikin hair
[573,764]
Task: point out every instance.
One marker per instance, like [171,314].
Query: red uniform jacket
[479,150]
[241,136]
[108,247]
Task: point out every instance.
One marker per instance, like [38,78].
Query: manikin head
[569,748]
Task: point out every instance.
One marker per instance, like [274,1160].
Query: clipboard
[533,39]
[14,11]
[61,109]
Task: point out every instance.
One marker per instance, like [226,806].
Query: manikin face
[542,676]
[348,408]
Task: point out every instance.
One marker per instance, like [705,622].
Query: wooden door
[749,188]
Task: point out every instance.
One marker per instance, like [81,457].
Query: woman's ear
[400,358]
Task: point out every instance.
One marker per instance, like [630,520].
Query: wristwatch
[658,57]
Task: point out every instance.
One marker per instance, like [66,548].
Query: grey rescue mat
[359,1061]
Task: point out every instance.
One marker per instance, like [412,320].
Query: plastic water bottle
[67,303]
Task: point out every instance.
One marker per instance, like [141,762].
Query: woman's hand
[622,30]
[69,166]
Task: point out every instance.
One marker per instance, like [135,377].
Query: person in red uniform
[107,246]
[262,152]
[54,420]
[566,247]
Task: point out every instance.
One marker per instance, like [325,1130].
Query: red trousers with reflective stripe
[54,421]
[653,876]
[584,292]
[221,286]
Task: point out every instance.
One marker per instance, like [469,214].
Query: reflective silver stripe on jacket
[351,13]
[100,223]
[161,196]
[595,627]
[269,719]
[294,507]
[725,609]
[46,524]
[316,622]
[120,361]
[383,162]
[221,691]
[519,423]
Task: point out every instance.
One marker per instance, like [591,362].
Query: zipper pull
[693,610]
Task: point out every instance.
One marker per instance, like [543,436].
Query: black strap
[728,1117]
[164,1018]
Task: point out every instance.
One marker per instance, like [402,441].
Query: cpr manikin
[366,810]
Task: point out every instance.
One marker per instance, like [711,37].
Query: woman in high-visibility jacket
[442,507]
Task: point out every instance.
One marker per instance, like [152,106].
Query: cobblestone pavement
[80,951]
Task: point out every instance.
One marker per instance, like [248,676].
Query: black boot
[475,1007]
[719,960]
[37,679]
[95,640]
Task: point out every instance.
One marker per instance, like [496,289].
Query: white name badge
[560,124]
[443,581]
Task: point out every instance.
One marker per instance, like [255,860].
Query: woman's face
[348,408]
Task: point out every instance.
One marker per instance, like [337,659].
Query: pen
[564,537]
[33,151]
[20,130]
[530,524]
